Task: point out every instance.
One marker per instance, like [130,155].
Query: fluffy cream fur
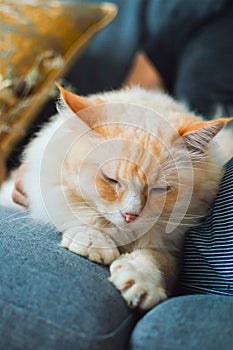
[123,175]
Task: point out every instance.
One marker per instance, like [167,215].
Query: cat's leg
[144,276]
[96,245]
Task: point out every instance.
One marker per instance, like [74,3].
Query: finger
[19,177]
[20,198]
[19,185]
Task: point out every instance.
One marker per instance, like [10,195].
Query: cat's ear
[77,103]
[197,135]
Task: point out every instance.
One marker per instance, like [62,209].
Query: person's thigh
[51,298]
[204,76]
[191,322]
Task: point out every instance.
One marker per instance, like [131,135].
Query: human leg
[51,298]
[188,322]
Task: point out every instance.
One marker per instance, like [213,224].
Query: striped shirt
[208,249]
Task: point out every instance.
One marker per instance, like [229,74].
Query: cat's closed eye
[162,189]
[110,180]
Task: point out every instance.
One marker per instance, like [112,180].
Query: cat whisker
[186,216]
[17,214]
[85,211]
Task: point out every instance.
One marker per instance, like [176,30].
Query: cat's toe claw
[136,288]
[144,296]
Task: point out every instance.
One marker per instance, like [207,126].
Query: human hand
[18,195]
[143,73]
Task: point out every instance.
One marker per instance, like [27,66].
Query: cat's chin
[117,221]
[127,231]
[121,224]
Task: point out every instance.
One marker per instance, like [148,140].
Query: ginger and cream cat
[123,175]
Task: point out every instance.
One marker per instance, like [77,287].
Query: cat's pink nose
[129,217]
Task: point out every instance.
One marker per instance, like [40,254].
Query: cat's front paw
[91,244]
[139,287]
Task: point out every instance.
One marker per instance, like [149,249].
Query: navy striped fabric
[208,250]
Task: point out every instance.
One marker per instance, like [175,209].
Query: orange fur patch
[105,190]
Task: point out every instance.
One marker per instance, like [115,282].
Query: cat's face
[132,188]
[135,179]
[136,173]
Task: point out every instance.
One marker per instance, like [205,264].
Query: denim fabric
[204,74]
[197,322]
[51,298]
[171,25]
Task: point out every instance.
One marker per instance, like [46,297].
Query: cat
[123,175]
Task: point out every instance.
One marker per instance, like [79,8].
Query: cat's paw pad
[138,287]
[92,246]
